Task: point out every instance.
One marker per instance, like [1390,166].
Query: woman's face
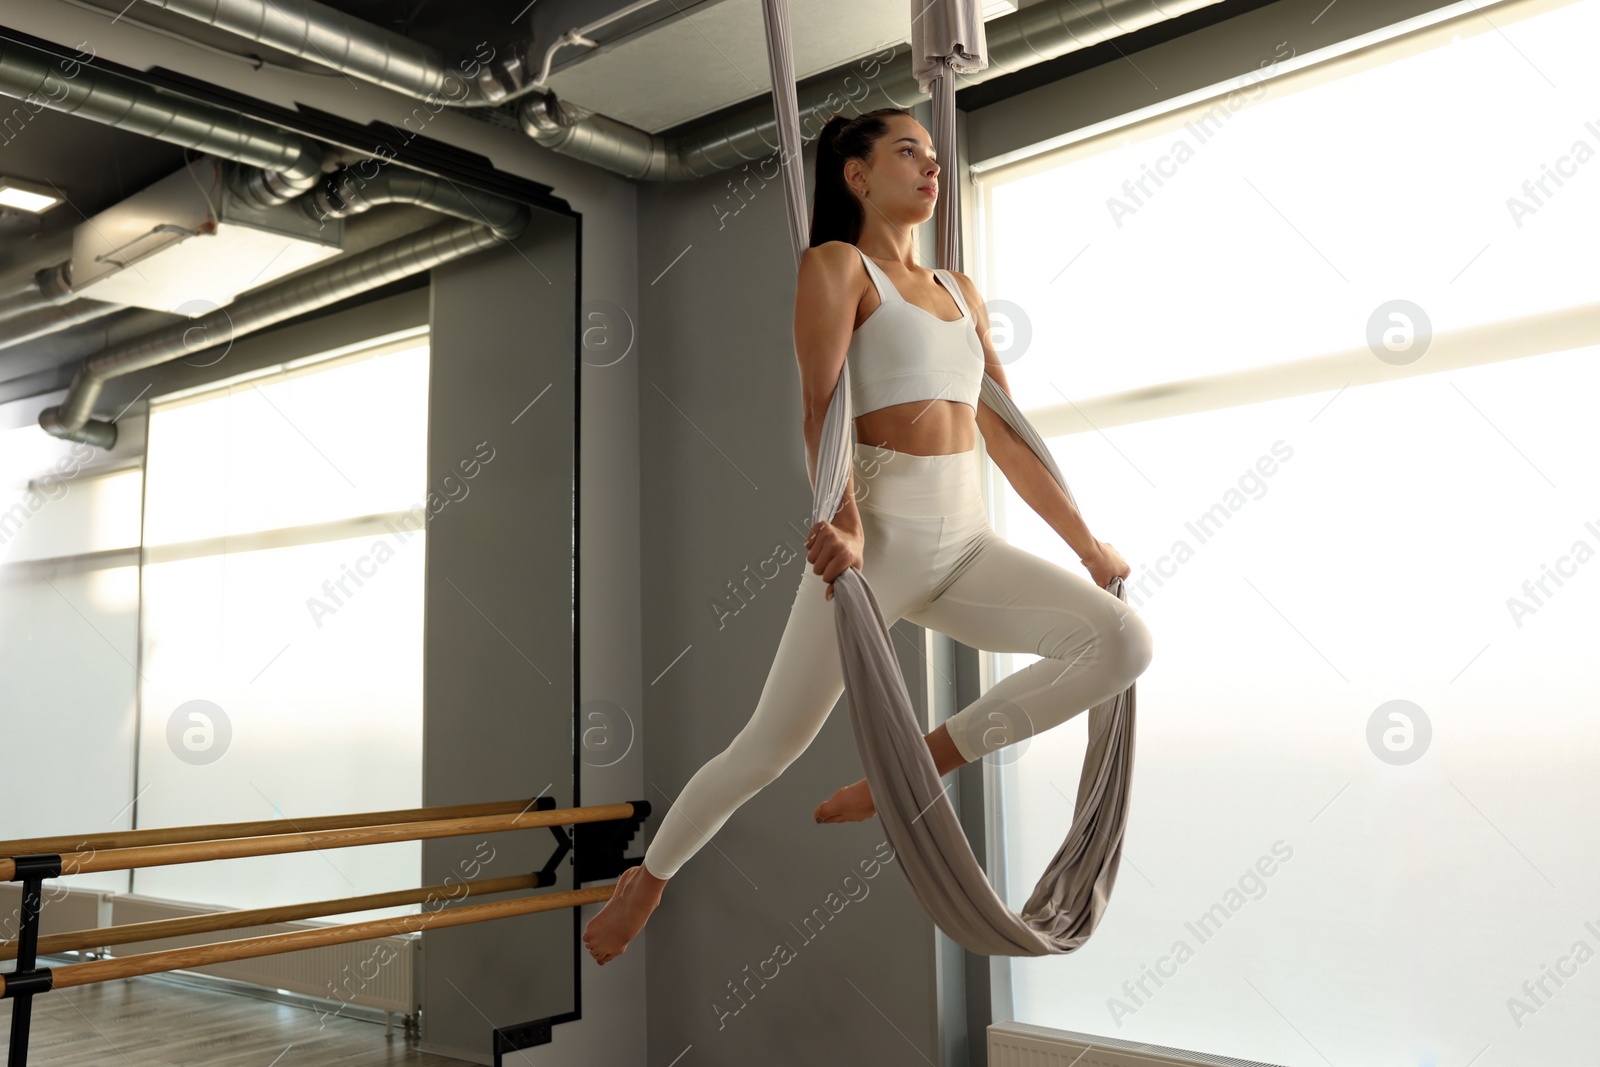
[903,179]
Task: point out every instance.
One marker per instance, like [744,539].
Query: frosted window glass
[1291,220]
[1377,562]
[322,720]
[70,517]
[27,452]
[312,712]
[68,644]
[51,506]
[1304,562]
[68,637]
[329,445]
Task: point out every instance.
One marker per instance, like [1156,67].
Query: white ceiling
[705,57]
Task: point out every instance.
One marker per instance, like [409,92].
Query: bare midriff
[921,427]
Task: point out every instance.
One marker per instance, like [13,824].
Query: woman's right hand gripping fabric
[832,550]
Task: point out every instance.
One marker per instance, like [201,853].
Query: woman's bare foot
[852,803]
[607,935]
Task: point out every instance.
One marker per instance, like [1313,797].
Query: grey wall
[498,647]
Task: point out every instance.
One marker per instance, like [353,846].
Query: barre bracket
[28,979]
[597,848]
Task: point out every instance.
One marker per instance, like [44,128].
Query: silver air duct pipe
[278,166]
[1032,35]
[267,166]
[327,285]
[53,320]
[44,288]
[319,34]
[344,193]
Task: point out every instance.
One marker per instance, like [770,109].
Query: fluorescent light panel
[25,196]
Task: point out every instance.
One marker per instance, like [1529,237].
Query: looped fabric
[916,814]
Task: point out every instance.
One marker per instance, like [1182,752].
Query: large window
[230,630]
[1363,793]
[69,639]
[281,669]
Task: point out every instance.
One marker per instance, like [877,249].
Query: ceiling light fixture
[26,196]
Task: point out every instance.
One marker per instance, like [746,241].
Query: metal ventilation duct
[189,241]
[277,166]
[344,193]
[270,166]
[322,35]
[51,320]
[328,285]
[42,289]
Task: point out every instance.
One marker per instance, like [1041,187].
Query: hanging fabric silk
[917,816]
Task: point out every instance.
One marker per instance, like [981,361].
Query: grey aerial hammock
[1066,905]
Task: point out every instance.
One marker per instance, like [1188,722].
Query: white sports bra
[904,352]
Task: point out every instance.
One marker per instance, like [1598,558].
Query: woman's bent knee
[1131,645]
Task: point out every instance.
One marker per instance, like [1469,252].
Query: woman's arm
[1023,469]
[826,296]
[825,301]
[848,518]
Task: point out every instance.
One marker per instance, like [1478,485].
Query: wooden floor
[145,1022]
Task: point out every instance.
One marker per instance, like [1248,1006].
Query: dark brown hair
[835,212]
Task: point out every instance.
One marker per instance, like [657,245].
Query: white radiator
[64,909]
[1014,1044]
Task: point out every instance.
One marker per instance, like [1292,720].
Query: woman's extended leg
[802,688]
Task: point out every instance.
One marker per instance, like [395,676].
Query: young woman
[913,520]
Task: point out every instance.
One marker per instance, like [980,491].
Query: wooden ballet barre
[158,929]
[76,974]
[167,835]
[122,859]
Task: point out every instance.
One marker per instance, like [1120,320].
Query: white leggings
[931,557]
